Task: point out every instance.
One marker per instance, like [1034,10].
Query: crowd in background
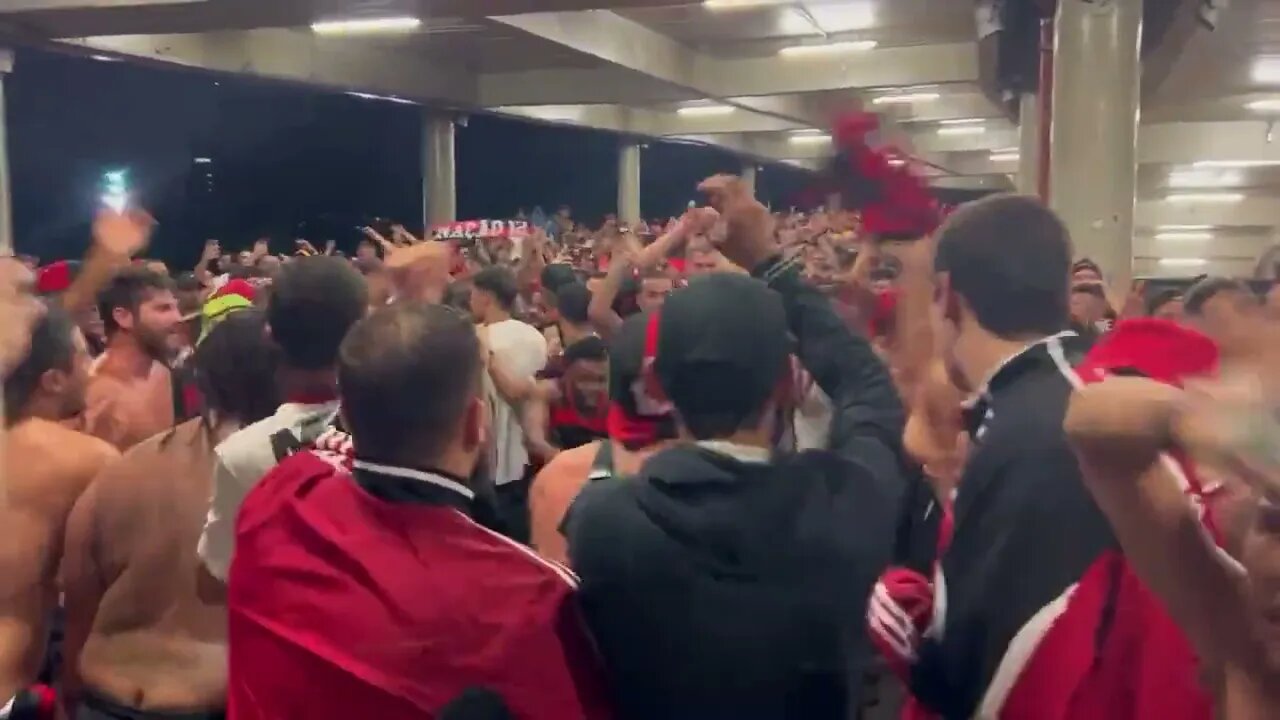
[703,467]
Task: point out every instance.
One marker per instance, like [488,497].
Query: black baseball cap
[572,300]
[723,344]
[626,361]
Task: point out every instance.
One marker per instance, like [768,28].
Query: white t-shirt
[522,352]
[243,459]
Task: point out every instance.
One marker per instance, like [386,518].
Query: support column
[1095,129]
[439,192]
[749,170]
[629,183]
[6,188]
[1029,144]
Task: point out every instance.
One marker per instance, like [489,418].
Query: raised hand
[20,310]
[212,251]
[749,238]
[122,234]
[261,248]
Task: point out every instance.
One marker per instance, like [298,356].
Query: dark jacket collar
[397,484]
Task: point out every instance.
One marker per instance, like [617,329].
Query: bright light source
[115,193]
[1202,179]
[832,48]
[104,58]
[962,130]
[736,4]
[1234,163]
[1266,70]
[202,160]
[1206,197]
[839,17]
[809,138]
[962,121]
[359,26]
[1005,156]
[1176,228]
[897,162]
[385,98]
[906,98]
[704,110]
[1184,236]
[1266,106]
[1183,262]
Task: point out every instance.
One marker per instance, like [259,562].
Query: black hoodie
[721,586]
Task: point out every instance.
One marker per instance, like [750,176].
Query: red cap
[56,277]
[237,286]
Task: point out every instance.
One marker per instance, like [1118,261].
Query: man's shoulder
[251,445]
[43,455]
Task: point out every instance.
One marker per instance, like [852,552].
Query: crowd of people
[736,464]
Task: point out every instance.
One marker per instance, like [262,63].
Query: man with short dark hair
[1166,305]
[46,466]
[1222,309]
[1021,594]
[517,352]
[130,396]
[313,303]
[727,580]
[373,593]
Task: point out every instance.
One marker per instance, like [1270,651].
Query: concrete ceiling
[630,65]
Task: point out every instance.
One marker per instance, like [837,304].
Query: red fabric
[341,605]
[564,414]
[237,286]
[631,431]
[54,278]
[1143,666]
[891,199]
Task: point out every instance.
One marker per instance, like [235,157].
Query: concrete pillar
[629,183]
[749,176]
[439,168]
[1096,84]
[6,188]
[1029,145]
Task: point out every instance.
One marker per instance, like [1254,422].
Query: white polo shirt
[243,459]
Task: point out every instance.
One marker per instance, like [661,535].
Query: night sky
[290,161]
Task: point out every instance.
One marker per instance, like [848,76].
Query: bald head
[409,375]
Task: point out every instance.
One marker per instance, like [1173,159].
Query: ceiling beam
[17,6]
[1189,142]
[295,56]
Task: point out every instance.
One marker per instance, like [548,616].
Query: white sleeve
[218,541]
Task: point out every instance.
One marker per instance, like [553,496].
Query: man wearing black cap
[726,580]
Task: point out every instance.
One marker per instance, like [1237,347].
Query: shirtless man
[130,395]
[46,467]
[1230,611]
[143,637]
[639,426]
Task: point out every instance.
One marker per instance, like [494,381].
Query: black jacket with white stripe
[1026,530]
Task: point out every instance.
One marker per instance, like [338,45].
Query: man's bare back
[46,467]
[141,632]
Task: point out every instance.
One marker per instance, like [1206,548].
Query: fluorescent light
[704,110]
[897,162]
[962,130]
[1175,228]
[809,138]
[735,4]
[104,58]
[963,121]
[1184,236]
[1234,163]
[1270,106]
[1183,262]
[906,98]
[1202,179]
[202,160]
[385,98]
[827,48]
[1005,156]
[1266,70]
[356,26]
[1206,197]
